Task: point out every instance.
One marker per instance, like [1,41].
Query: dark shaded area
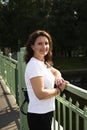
[76,77]
[9,113]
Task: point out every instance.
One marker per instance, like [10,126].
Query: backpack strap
[26,100]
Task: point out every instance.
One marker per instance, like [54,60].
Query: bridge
[71,105]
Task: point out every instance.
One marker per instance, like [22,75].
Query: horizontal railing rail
[77,90]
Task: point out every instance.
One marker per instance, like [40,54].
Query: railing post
[21,83]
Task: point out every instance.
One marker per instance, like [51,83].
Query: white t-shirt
[36,68]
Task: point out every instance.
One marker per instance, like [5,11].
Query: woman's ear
[32,46]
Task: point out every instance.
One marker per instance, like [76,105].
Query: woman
[40,78]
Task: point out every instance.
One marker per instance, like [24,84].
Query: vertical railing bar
[64,113]
[77,116]
[54,128]
[70,119]
[5,71]
[85,124]
[70,114]
[85,120]
[64,117]
[2,65]
[58,115]
[77,122]
[16,84]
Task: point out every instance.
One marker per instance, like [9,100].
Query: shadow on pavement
[9,110]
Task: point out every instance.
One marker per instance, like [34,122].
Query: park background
[65,20]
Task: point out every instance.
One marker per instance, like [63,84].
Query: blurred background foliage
[65,20]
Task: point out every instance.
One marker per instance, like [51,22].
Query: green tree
[7,30]
[65,20]
[81,7]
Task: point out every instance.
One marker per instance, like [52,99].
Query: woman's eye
[46,43]
[39,43]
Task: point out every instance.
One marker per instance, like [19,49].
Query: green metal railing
[71,105]
[67,110]
[9,72]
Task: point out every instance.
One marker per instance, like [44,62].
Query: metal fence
[9,72]
[68,112]
[71,105]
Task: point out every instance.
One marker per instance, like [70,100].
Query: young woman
[40,78]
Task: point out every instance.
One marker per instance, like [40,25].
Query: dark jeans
[40,121]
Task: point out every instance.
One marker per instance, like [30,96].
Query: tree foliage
[65,20]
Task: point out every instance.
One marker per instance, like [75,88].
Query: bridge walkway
[9,110]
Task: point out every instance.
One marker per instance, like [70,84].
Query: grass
[70,64]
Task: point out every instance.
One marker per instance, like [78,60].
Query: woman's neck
[39,58]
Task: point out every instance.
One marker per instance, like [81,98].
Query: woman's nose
[44,45]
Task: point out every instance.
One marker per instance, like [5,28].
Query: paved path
[9,110]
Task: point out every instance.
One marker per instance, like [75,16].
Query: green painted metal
[77,90]
[21,82]
[70,114]
[59,115]
[12,72]
[64,114]
[85,120]
[77,117]
[77,111]
[54,121]
[9,72]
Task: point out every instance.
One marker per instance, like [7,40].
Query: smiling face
[41,47]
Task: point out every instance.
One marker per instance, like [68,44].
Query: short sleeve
[34,69]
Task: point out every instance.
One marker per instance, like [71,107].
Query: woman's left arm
[59,81]
[58,77]
[56,73]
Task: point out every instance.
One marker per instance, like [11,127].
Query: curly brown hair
[31,41]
